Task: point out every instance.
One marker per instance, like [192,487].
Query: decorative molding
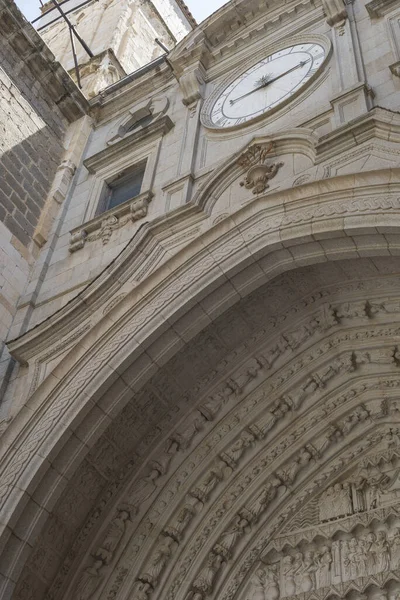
[157,128]
[102,226]
[379,8]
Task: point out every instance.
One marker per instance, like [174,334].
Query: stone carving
[141,591]
[113,537]
[89,581]
[288,474]
[183,519]
[208,483]
[103,228]
[159,560]
[253,511]
[278,410]
[203,583]
[185,434]
[258,172]
[300,572]
[228,539]
[235,452]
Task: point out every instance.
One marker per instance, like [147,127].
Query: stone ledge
[102,226]
[56,84]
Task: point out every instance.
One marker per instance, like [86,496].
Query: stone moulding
[379,8]
[102,226]
[157,128]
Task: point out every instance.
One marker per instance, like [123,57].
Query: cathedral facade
[203,361]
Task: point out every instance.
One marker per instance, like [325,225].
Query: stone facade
[205,400]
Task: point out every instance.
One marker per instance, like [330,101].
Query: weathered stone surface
[204,402]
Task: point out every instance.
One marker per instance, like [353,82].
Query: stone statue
[204,489]
[288,586]
[271,585]
[229,538]
[158,561]
[113,537]
[89,581]
[395,549]
[382,553]
[323,572]
[205,579]
[258,585]
[182,521]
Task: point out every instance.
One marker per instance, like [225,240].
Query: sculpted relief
[357,538]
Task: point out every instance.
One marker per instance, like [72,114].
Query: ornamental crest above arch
[267,164]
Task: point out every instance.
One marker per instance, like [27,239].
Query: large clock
[265,86]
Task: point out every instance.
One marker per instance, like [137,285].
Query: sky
[199,8]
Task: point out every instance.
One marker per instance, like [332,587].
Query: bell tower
[121,36]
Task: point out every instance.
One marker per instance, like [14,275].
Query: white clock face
[267,84]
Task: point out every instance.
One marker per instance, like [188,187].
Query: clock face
[267,84]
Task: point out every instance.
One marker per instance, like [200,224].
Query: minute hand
[301,64]
[260,87]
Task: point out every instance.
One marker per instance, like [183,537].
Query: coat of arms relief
[346,541]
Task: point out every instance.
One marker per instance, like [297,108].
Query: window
[125,186]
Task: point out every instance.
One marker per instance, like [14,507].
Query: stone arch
[87,412]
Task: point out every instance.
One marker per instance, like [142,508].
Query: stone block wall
[30,152]
[38,102]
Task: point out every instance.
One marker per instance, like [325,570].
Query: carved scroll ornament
[259,173]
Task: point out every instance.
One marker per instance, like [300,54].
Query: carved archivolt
[257,432]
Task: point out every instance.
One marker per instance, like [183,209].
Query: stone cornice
[379,8]
[157,128]
[379,123]
[56,85]
[230,26]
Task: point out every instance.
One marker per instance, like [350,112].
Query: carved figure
[271,583]
[262,500]
[371,553]
[382,552]
[395,550]
[182,521]
[298,572]
[185,436]
[208,484]
[234,453]
[258,585]
[113,537]
[141,591]
[205,579]
[89,581]
[158,561]
[288,586]
[229,538]
[323,572]
[351,310]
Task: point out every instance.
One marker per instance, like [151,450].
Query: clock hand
[301,64]
[248,93]
[260,87]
